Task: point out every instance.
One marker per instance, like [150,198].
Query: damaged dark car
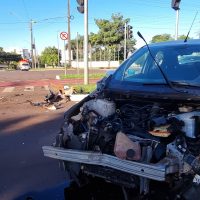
[140,129]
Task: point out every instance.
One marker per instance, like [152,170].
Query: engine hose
[76,108]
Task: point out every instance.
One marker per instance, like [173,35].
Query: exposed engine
[134,145]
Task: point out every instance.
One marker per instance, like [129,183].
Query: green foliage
[107,43]
[109,33]
[49,56]
[74,76]
[166,37]
[9,58]
[161,38]
[110,38]
[182,37]
[84,89]
[74,47]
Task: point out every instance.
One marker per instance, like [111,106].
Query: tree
[9,58]
[110,35]
[108,43]
[74,46]
[49,56]
[110,31]
[182,37]
[161,38]
[166,37]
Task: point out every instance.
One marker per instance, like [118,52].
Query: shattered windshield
[179,63]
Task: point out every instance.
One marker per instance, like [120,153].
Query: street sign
[64,35]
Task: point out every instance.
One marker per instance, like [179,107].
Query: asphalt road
[25,174]
[18,75]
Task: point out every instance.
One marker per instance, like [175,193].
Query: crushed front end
[143,137]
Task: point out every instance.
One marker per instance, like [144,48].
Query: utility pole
[86,79]
[77,52]
[125,36]
[32,45]
[69,34]
[83,8]
[65,58]
[58,50]
[34,55]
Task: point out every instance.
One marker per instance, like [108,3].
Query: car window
[179,63]
[136,66]
[189,59]
[143,67]
[25,64]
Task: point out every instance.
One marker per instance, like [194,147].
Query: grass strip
[84,89]
[72,76]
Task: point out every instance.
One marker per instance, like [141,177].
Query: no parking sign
[64,35]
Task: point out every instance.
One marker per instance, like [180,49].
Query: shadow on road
[25,172]
[51,193]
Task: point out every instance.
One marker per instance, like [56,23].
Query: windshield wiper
[154,83]
[183,83]
[162,72]
[159,67]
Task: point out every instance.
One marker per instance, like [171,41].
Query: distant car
[140,129]
[24,66]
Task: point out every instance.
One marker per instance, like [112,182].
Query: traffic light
[129,32]
[80,8]
[175,4]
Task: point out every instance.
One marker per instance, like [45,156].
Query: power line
[25,7]
[7,23]
[37,21]
[51,18]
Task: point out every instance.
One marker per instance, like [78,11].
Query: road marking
[26,89]
[29,89]
[8,89]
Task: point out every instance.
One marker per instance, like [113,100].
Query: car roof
[176,43]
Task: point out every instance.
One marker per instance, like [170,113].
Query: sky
[150,17]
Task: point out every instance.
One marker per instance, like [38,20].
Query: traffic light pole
[125,37]
[175,5]
[58,49]
[86,79]
[77,52]
[177,23]
[32,56]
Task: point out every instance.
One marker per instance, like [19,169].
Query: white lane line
[29,89]
[8,89]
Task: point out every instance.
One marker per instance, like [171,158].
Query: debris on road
[29,89]
[57,77]
[55,98]
[36,103]
[3,99]
[18,95]
[52,107]
[47,105]
[77,97]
